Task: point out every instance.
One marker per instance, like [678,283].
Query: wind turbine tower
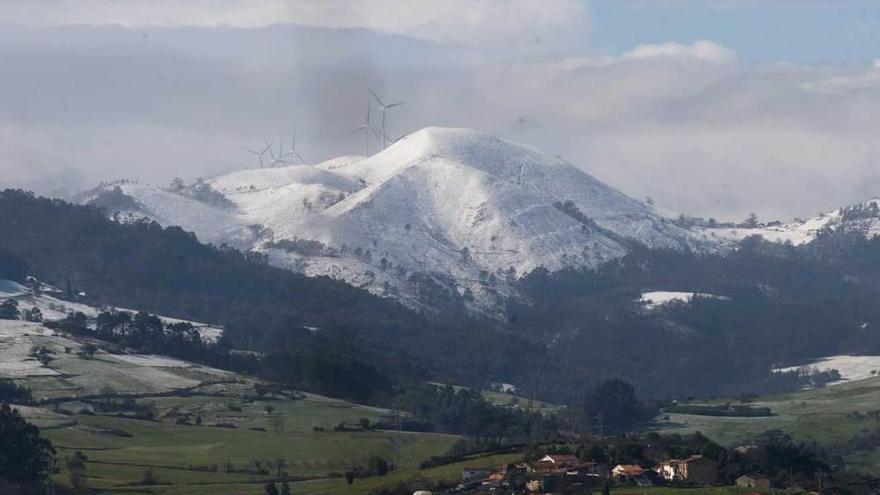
[367,129]
[384,107]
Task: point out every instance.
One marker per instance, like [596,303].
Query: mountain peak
[462,208]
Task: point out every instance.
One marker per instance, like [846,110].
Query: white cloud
[700,50]
[837,82]
[524,24]
[707,138]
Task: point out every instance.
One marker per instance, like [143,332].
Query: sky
[714,109]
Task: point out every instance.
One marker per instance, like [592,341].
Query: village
[564,473]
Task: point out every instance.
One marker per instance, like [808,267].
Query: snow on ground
[67,374]
[862,218]
[150,361]
[850,367]
[53,308]
[655,299]
[8,288]
[17,338]
[44,418]
[471,211]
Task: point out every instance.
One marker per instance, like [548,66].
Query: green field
[210,431]
[829,416]
[194,459]
[666,490]
[510,400]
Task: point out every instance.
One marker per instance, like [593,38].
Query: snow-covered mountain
[442,209]
[861,218]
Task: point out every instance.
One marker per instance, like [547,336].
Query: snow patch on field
[67,374]
[150,361]
[656,299]
[54,309]
[8,288]
[850,367]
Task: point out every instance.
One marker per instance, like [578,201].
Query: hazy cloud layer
[685,123]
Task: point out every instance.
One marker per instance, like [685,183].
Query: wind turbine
[293,149]
[258,154]
[275,159]
[367,128]
[384,107]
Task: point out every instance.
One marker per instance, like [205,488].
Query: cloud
[520,24]
[700,50]
[838,82]
[680,123]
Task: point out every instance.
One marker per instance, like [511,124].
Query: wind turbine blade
[395,104]
[379,100]
[303,160]
[269,148]
[249,150]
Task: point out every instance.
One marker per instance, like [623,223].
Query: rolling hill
[441,211]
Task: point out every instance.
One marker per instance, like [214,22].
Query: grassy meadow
[828,416]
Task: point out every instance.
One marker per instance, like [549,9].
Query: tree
[270,488]
[148,477]
[285,488]
[378,465]
[78,479]
[9,310]
[25,454]
[349,477]
[751,221]
[87,351]
[615,400]
[277,421]
[34,314]
[280,464]
[177,185]
[14,393]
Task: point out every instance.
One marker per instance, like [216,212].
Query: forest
[576,329]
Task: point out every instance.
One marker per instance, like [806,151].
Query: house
[694,469]
[632,474]
[560,460]
[627,471]
[475,473]
[752,481]
[555,463]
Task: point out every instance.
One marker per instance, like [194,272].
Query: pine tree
[9,310]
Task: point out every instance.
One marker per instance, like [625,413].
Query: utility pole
[50,470]
[398,426]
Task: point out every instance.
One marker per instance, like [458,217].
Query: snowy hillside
[53,308]
[862,218]
[655,299]
[442,209]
